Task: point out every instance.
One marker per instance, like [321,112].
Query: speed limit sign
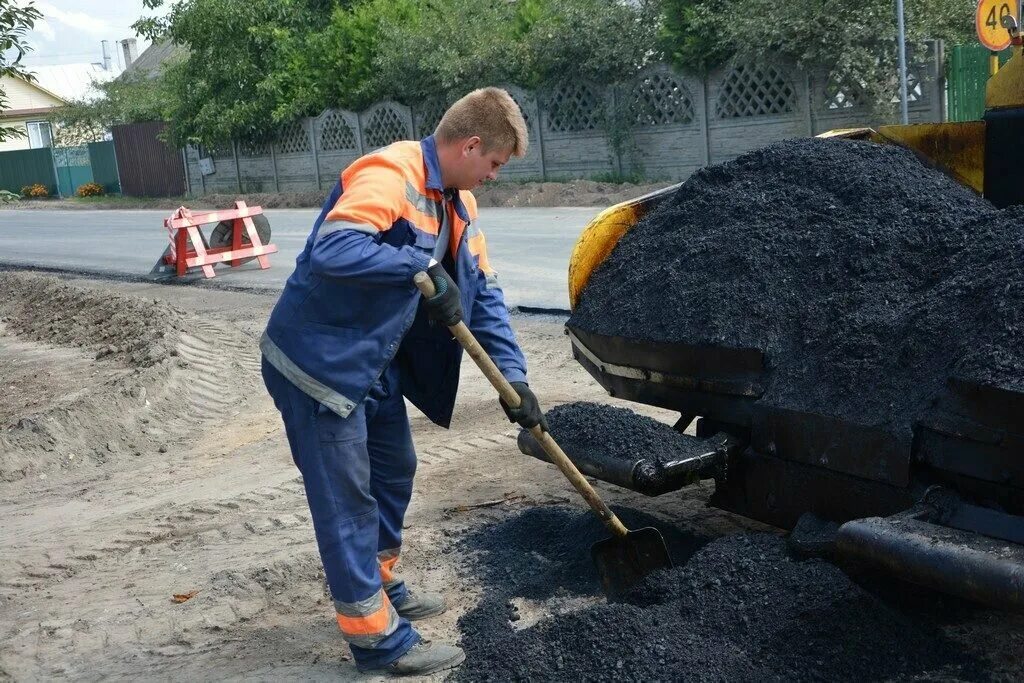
[989,22]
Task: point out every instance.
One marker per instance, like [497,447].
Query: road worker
[351,336]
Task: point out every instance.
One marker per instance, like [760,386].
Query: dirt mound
[738,608]
[500,194]
[95,377]
[266,200]
[43,309]
[569,193]
[497,194]
[865,277]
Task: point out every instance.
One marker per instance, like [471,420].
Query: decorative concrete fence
[668,125]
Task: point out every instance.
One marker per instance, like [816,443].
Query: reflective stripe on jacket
[350,307]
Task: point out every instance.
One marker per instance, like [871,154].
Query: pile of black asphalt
[867,279]
[740,607]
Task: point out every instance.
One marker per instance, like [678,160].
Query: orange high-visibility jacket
[350,307]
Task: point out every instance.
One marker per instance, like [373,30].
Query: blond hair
[492,115]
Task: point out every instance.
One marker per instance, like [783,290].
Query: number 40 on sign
[988,21]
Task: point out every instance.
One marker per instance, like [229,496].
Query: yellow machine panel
[1006,88]
[955,148]
[602,234]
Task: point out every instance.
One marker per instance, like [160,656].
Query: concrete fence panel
[573,124]
[384,123]
[337,144]
[665,112]
[751,104]
[662,124]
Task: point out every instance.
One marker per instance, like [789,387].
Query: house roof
[155,57]
[18,113]
[72,81]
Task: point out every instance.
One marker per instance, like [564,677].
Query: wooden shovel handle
[510,397]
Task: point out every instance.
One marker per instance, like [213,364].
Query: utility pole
[902,40]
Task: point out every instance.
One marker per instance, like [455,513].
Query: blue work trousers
[358,474]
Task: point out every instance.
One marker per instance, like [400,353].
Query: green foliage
[685,38]
[128,99]
[854,41]
[16,20]
[530,43]
[596,40]
[419,60]
[218,91]
[254,65]
[331,64]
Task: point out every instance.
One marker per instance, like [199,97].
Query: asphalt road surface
[528,247]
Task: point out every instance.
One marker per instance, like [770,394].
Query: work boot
[421,605]
[424,658]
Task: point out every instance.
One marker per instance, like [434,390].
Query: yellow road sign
[989,22]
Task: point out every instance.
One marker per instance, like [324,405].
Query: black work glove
[528,414]
[445,306]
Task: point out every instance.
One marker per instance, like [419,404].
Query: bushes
[36,191]
[40,191]
[7,197]
[90,190]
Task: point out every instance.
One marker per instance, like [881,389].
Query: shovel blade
[622,561]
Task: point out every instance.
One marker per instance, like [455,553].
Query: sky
[71,30]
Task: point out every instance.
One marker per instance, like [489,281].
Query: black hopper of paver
[630,450]
[852,317]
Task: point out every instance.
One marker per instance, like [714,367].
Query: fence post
[56,175]
[202,176]
[706,115]
[359,134]
[117,170]
[808,103]
[316,155]
[273,165]
[540,135]
[238,168]
[188,176]
[616,143]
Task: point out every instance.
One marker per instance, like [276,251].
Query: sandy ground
[141,459]
[161,468]
[501,193]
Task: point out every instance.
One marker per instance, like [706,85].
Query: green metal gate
[104,166]
[73,169]
[967,74]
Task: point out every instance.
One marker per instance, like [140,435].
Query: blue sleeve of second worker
[490,325]
[358,257]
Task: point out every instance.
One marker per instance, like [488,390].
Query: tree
[254,65]
[686,41]
[332,64]
[234,46]
[16,20]
[531,43]
[129,98]
[855,42]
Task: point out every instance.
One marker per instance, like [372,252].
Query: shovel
[627,556]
